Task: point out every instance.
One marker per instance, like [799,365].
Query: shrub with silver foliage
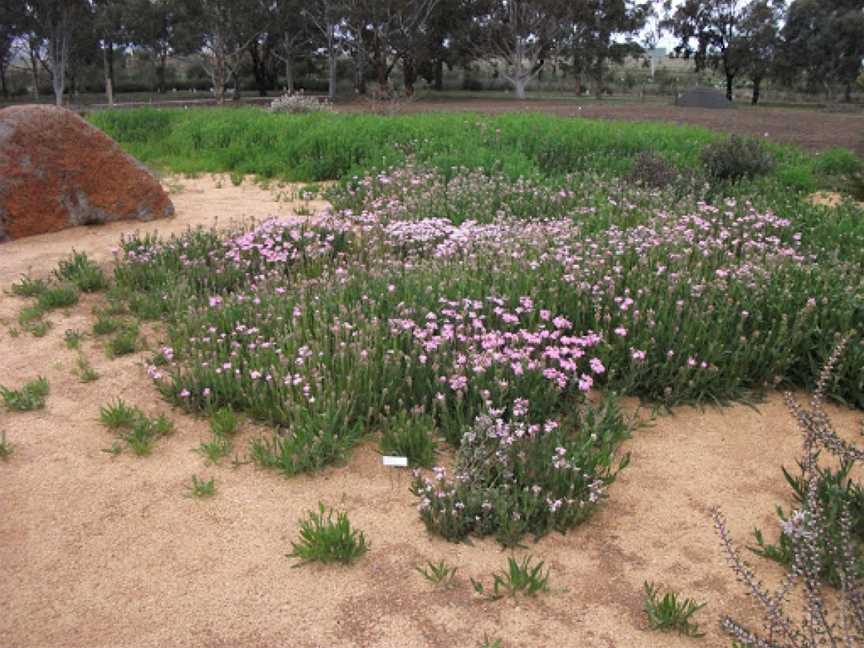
[821,622]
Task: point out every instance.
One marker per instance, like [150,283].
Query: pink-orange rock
[58,171]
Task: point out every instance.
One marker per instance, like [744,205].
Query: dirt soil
[98,551]
[810,129]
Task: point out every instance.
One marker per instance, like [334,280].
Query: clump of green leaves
[223,425]
[440,574]
[139,431]
[410,435]
[73,338]
[124,342]
[671,612]
[61,296]
[323,539]
[28,287]
[489,642]
[80,271]
[119,415]
[30,397]
[201,488]
[85,371]
[520,578]
[105,324]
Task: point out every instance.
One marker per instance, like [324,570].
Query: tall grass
[333,146]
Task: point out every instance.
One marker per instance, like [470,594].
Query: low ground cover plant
[440,574]
[485,311]
[298,103]
[323,539]
[81,272]
[201,488]
[133,427]
[671,612]
[521,578]
[29,397]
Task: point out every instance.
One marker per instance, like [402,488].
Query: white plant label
[401,462]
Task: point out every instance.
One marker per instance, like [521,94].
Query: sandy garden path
[107,552]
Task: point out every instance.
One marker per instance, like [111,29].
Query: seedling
[439,574]
[72,338]
[519,578]
[201,488]
[672,612]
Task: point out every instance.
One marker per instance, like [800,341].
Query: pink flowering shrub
[475,354]
[514,477]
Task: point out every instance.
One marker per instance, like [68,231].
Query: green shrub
[201,488]
[736,159]
[837,162]
[325,540]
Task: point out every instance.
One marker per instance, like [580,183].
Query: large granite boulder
[58,171]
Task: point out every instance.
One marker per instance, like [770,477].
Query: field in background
[316,147]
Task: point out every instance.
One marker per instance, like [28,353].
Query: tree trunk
[439,75]
[289,74]
[409,73]
[729,87]
[847,96]
[519,84]
[58,54]
[3,87]
[218,70]
[109,84]
[34,70]
[757,90]
[259,68]
[331,62]
[161,69]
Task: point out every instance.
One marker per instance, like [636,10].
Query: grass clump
[30,397]
[85,371]
[61,296]
[440,574]
[410,435]
[81,272]
[323,539]
[72,338]
[119,415]
[29,287]
[201,488]
[519,579]
[106,324]
[124,342]
[671,612]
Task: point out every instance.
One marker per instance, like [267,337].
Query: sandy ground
[107,552]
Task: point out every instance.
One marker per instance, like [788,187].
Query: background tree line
[819,43]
